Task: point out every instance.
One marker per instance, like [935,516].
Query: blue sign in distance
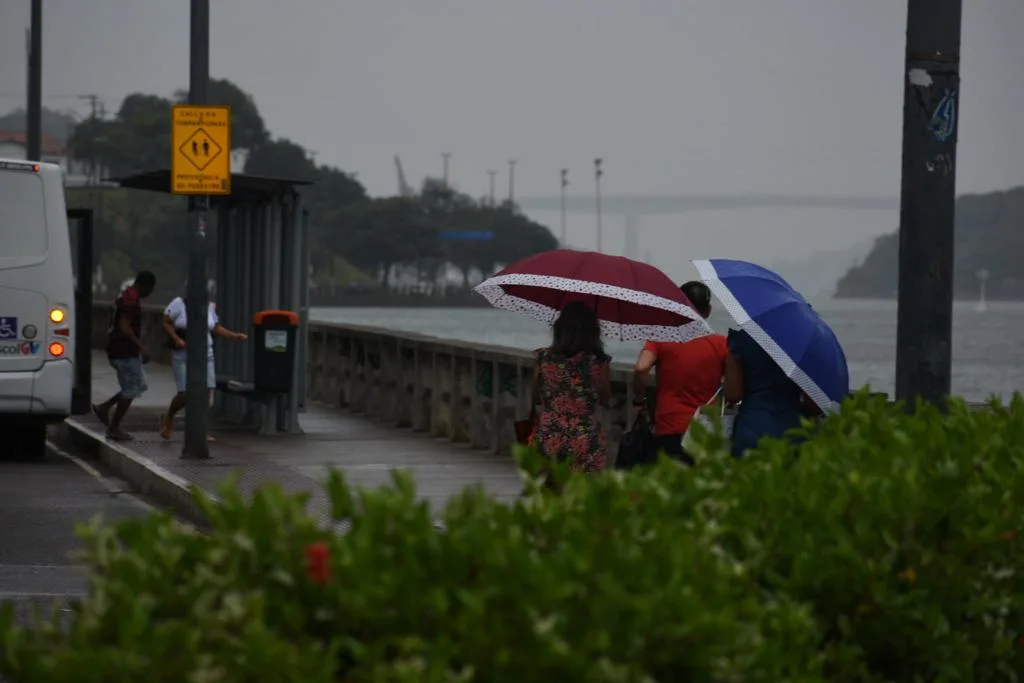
[475,235]
[8,328]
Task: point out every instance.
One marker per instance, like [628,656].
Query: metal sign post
[200,166]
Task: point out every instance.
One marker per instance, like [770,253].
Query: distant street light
[598,172]
[512,180]
[444,173]
[565,184]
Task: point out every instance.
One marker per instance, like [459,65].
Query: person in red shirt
[689,375]
[126,353]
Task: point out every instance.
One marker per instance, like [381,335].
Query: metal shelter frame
[262,263]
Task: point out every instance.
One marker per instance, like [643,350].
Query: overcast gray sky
[690,96]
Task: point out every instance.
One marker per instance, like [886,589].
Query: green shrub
[597,584]
[883,548]
[900,530]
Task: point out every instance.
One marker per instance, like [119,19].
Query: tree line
[370,238]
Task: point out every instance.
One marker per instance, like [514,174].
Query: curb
[145,476]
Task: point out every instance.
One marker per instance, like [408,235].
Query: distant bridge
[650,205]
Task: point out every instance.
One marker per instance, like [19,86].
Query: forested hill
[989,237]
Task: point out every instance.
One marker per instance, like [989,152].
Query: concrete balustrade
[468,393]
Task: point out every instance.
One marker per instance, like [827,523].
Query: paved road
[40,502]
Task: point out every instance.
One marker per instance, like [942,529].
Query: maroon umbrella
[633,300]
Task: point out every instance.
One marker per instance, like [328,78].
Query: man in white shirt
[175,323]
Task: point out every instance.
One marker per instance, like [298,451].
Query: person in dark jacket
[126,354]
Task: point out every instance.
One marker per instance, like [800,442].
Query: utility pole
[931,92]
[445,156]
[93,101]
[565,184]
[492,174]
[598,172]
[34,106]
[196,311]
[512,181]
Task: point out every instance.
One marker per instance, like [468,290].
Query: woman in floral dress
[570,381]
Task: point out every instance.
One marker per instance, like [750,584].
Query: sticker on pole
[943,122]
[200,150]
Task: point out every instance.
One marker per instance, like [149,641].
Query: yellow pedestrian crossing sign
[200,149]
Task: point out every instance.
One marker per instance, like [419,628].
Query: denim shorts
[131,376]
[179,367]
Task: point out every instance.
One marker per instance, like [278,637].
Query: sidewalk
[366,451]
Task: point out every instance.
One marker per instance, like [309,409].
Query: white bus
[37,299]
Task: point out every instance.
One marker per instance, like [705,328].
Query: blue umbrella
[784,325]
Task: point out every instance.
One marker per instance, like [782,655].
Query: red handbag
[525,429]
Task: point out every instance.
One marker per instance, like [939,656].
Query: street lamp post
[512,181]
[492,174]
[34,108]
[565,184]
[598,172]
[444,172]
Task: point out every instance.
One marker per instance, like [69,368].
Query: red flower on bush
[318,567]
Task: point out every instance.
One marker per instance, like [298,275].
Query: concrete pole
[34,106]
[927,204]
[196,307]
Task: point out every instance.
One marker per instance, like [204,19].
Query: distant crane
[403,187]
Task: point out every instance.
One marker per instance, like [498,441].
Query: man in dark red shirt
[126,354]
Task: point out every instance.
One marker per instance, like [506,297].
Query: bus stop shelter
[262,263]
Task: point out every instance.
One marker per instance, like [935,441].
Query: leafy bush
[901,531]
[884,548]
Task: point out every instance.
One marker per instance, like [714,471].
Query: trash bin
[274,350]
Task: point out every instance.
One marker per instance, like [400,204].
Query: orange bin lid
[279,317]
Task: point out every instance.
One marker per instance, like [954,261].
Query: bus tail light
[57,316]
[56,349]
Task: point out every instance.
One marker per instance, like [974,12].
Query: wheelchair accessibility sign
[8,328]
[19,348]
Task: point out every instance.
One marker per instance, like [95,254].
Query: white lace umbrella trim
[492,290]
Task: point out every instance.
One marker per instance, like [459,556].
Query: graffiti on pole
[942,124]
[941,164]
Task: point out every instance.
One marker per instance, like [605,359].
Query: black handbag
[637,445]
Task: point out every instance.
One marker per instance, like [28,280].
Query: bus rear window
[22,215]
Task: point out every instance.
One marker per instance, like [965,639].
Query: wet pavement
[367,451]
[40,503]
